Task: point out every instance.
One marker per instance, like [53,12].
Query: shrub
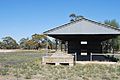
[4,71]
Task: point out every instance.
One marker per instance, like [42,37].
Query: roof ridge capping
[80,18]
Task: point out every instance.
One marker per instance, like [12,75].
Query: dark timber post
[113,47]
[65,45]
[56,44]
[61,45]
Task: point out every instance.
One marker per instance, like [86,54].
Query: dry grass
[33,70]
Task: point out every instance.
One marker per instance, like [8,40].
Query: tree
[1,45]
[114,42]
[32,44]
[9,43]
[23,44]
[40,39]
[113,23]
[75,17]
[72,16]
[37,41]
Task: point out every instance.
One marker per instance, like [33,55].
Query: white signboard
[83,42]
[83,53]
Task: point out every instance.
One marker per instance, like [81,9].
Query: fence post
[90,56]
[75,58]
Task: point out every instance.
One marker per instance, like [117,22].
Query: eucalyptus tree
[113,43]
[72,16]
[9,43]
[42,41]
[23,42]
[75,17]
[1,45]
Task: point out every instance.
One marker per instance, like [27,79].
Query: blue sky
[22,18]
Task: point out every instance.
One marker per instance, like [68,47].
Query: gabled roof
[83,26]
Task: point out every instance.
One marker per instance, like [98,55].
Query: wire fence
[115,56]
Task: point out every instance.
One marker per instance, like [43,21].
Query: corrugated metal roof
[83,26]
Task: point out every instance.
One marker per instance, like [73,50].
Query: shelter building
[83,36]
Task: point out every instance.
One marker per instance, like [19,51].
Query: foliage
[4,71]
[112,23]
[9,43]
[75,17]
[1,45]
[37,41]
[72,16]
[114,42]
[23,44]
[32,44]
